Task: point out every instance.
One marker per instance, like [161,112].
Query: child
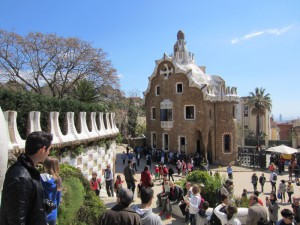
[201,217]
[229,171]
[95,183]
[194,203]
[244,194]
[118,184]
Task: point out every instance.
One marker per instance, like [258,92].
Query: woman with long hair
[52,185]
[230,217]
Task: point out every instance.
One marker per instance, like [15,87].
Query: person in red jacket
[146,177]
[165,171]
[95,183]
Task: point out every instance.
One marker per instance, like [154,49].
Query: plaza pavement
[241,180]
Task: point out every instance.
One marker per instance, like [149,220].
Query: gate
[249,157]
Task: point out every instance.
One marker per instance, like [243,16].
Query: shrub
[80,205]
[212,184]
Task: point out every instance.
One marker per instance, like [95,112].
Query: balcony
[166,124]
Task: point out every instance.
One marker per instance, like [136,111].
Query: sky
[248,43]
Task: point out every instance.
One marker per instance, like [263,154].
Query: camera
[49,205]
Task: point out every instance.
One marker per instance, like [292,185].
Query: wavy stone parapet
[107,128]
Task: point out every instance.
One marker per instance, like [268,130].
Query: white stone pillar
[3,150]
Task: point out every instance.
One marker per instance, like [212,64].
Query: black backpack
[214,220]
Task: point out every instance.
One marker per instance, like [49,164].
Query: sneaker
[168,216]
[161,213]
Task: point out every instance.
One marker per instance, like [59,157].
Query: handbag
[279,195]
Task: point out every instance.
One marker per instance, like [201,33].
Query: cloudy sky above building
[248,43]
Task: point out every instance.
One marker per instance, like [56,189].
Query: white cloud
[274,31]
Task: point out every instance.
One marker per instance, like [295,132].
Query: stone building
[189,110]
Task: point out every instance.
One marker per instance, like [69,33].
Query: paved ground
[241,179]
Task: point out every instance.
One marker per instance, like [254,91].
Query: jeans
[109,188]
[193,219]
[131,186]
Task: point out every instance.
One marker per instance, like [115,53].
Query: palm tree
[85,91]
[259,102]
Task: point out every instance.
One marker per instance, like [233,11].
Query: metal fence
[251,158]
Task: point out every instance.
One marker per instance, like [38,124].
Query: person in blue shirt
[52,185]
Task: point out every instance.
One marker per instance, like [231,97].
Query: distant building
[247,123]
[188,110]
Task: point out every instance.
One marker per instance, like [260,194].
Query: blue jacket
[51,193]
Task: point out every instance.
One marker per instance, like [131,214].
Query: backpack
[274,177]
[214,220]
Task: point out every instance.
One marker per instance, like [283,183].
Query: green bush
[80,205]
[73,197]
[211,183]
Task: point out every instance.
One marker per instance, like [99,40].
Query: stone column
[3,150]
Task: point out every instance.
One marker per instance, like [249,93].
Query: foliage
[25,102]
[132,119]
[85,91]
[51,65]
[140,130]
[73,197]
[80,205]
[259,103]
[119,138]
[212,183]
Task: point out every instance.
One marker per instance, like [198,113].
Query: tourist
[262,181]
[259,200]
[118,184]
[175,195]
[183,167]
[95,183]
[22,199]
[129,176]
[282,190]
[161,173]
[133,160]
[201,216]
[296,209]
[165,170]
[148,160]
[146,178]
[138,157]
[273,207]
[121,211]
[193,203]
[227,189]
[156,172]
[287,218]
[244,194]
[183,206]
[163,195]
[290,191]
[178,166]
[254,181]
[52,185]
[291,170]
[214,220]
[170,173]
[108,176]
[272,167]
[229,217]
[229,171]
[145,210]
[273,180]
[255,211]
[123,157]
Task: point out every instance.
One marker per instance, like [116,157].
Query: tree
[85,91]
[46,63]
[132,118]
[259,102]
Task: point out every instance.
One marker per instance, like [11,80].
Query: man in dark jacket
[22,197]
[129,176]
[121,213]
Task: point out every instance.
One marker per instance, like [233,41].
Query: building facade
[188,110]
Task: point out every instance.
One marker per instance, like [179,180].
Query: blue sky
[248,43]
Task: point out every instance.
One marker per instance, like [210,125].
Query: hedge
[24,102]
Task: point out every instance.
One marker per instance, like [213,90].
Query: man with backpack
[108,176]
[214,220]
[273,179]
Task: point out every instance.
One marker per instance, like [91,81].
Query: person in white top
[193,203]
[229,218]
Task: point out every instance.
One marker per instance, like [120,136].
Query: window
[190,112]
[179,88]
[153,113]
[166,141]
[227,143]
[246,108]
[157,90]
[153,140]
[166,115]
